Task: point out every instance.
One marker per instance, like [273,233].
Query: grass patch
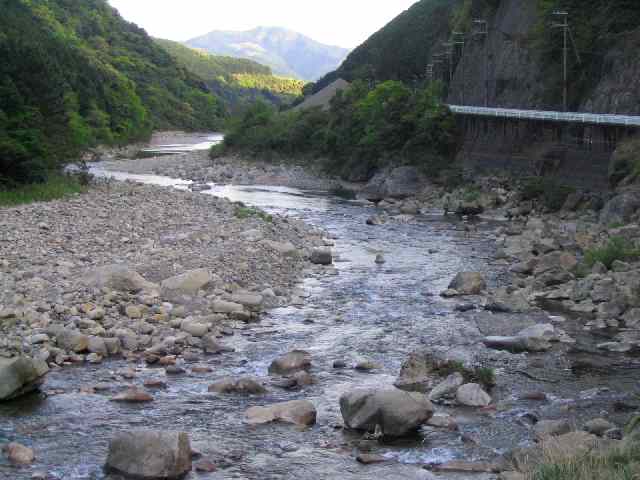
[484,376]
[243,212]
[56,186]
[471,195]
[621,463]
[617,248]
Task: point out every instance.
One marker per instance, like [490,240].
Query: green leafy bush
[552,194]
[363,130]
[243,212]
[617,248]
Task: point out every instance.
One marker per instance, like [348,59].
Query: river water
[355,310]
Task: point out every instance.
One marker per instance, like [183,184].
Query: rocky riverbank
[128,268]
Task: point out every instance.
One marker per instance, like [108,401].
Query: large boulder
[395,412]
[291,362]
[401,182]
[118,277]
[298,412]
[468,283]
[187,283]
[621,208]
[20,375]
[150,455]
[241,386]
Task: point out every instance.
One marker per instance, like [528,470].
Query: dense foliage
[238,82]
[74,74]
[597,26]
[364,130]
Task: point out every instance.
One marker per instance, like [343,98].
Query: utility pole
[565,49]
[484,31]
[460,41]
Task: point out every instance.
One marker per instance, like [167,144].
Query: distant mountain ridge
[287,52]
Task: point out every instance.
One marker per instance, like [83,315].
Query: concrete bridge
[575,147]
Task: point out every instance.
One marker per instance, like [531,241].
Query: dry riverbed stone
[20,375]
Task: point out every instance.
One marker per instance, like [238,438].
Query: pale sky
[346,23]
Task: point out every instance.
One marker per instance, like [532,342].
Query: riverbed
[352,311]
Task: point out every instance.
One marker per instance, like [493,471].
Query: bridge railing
[567,117]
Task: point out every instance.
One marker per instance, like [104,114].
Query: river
[354,311]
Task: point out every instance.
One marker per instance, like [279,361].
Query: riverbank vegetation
[75,74]
[363,130]
[54,187]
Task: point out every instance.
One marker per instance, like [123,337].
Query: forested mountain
[73,73]
[522,51]
[236,81]
[288,53]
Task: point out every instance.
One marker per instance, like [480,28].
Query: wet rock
[205,466]
[380,259]
[396,413]
[447,388]
[298,412]
[133,395]
[376,220]
[465,307]
[118,277]
[472,395]
[213,347]
[150,455]
[19,454]
[547,428]
[339,364]
[290,363]
[366,366]
[321,256]
[174,370]
[369,458]
[599,426]
[187,283]
[468,283]
[20,375]
[241,386]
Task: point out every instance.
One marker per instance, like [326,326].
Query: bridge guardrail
[569,117]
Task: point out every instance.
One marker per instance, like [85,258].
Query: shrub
[243,212]
[55,187]
[552,194]
[625,162]
[617,248]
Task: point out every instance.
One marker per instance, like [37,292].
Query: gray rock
[97,345]
[472,395]
[420,372]
[517,344]
[150,455]
[194,328]
[395,412]
[447,387]
[70,340]
[298,412]
[248,300]
[20,375]
[118,277]
[401,182]
[221,306]
[187,283]
[468,283]
[211,346]
[241,386]
[321,256]
[621,208]
[291,362]
[551,428]
[599,426]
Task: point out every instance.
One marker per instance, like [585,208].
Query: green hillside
[237,81]
[74,74]
[403,48]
